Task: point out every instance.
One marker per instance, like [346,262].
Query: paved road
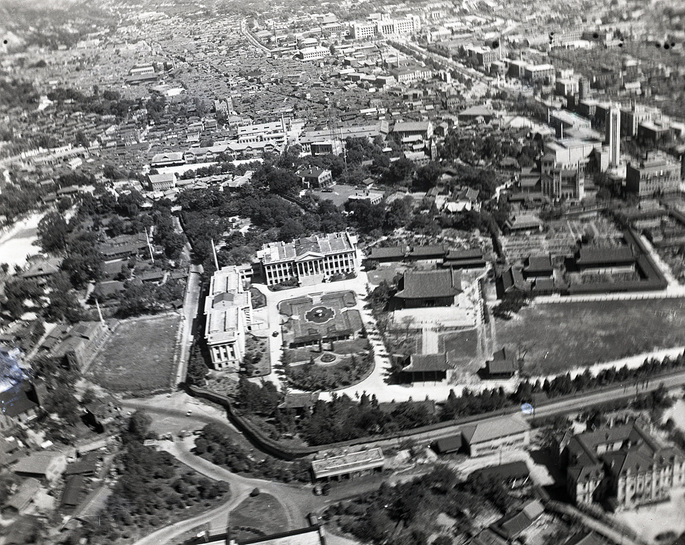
[189,312]
[297,500]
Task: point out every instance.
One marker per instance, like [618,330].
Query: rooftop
[353,461]
[430,284]
[495,429]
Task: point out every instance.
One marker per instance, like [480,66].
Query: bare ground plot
[554,338]
[462,349]
[139,356]
[262,513]
[651,520]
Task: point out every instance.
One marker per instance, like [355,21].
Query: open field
[556,338]
[139,356]
[264,513]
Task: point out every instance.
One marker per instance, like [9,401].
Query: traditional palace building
[228,313]
[309,260]
[623,465]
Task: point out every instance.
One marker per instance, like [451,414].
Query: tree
[139,426]
[52,232]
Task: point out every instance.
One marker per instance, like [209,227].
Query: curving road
[240,488]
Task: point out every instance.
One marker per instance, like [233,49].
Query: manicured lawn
[263,513]
[557,337]
[139,357]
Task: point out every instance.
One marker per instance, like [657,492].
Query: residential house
[503,365]
[46,465]
[316,178]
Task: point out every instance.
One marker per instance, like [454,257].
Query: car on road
[188,413]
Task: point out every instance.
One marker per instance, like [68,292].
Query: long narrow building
[228,314]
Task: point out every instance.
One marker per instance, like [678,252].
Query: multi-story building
[622,464]
[362,31]
[563,168]
[309,260]
[317,177]
[314,53]
[632,116]
[228,315]
[613,135]
[162,182]
[655,174]
[538,72]
[484,56]
[385,27]
[566,86]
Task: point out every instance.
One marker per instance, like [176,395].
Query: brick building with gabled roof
[623,465]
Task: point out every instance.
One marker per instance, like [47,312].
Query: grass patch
[263,512]
[139,356]
[461,346]
[345,372]
[556,337]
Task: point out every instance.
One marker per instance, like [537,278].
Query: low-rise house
[23,497]
[41,268]
[512,526]
[46,465]
[502,433]
[503,365]
[316,178]
[20,403]
[513,474]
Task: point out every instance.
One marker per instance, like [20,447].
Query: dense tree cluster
[218,447]
[311,377]
[406,513]
[152,490]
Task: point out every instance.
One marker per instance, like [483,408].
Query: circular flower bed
[328,358]
[319,315]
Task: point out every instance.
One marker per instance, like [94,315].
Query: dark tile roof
[427,362]
[503,361]
[504,472]
[542,263]
[16,400]
[600,256]
[448,444]
[430,284]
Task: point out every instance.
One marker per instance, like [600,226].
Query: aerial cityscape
[361,273]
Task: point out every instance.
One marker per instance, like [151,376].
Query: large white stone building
[228,313]
[309,260]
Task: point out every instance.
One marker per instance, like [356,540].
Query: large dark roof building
[435,288]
